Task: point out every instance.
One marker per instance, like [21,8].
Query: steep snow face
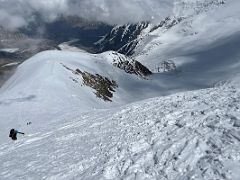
[194,135]
[203,46]
[52,76]
[56,81]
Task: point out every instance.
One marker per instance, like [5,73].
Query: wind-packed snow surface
[89,116]
[194,135]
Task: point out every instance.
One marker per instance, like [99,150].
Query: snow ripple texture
[192,135]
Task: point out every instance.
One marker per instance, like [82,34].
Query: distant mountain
[16,47]
[168,108]
[125,38]
[85,33]
[122,38]
[39,36]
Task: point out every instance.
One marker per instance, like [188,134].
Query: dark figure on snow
[13,134]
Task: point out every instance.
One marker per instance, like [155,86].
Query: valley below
[148,100]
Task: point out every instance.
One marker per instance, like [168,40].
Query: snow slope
[74,132]
[50,83]
[58,81]
[192,135]
[204,45]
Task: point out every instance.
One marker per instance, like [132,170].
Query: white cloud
[11,21]
[15,13]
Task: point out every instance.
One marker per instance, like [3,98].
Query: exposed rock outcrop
[103,86]
[130,66]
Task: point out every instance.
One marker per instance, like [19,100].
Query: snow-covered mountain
[125,38]
[122,38]
[198,25]
[21,44]
[196,39]
[168,109]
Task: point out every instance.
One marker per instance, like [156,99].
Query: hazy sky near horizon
[17,13]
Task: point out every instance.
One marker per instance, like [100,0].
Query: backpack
[13,134]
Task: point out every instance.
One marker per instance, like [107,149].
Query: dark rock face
[103,86]
[121,38]
[131,66]
[141,69]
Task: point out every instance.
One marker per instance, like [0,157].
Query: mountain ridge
[167,109]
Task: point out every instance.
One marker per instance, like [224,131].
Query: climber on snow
[13,134]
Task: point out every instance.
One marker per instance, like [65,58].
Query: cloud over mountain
[17,13]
